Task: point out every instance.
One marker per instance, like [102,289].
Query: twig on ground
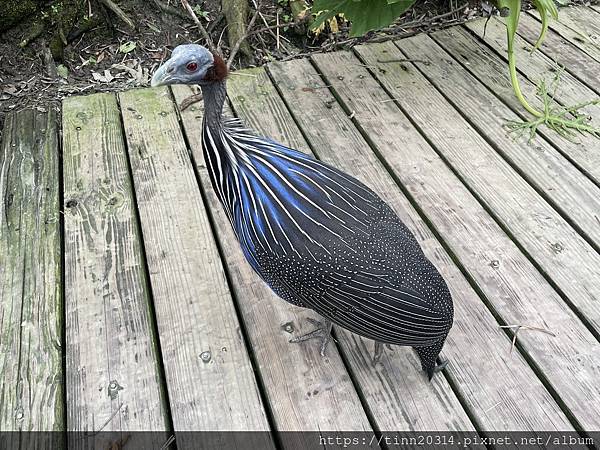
[118,12]
[168,442]
[517,328]
[401,60]
[209,42]
[189,101]
[112,416]
[272,27]
[420,22]
[170,9]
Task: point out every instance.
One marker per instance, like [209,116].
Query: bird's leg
[379,351]
[323,331]
[437,368]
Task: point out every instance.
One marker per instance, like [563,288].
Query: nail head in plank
[208,371]
[31,348]
[113,380]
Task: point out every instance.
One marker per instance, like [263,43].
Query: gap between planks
[419,97]
[298,83]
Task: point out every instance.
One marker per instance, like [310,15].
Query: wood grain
[383,386]
[558,249]
[113,381]
[512,286]
[209,374]
[31,347]
[306,392]
[554,177]
[337,140]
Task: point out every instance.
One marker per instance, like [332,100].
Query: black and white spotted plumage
[323,240]
[318,237]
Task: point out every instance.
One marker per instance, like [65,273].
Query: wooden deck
[126,303]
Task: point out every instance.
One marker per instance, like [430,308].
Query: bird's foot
[379,351]
[323,332]
[437,368]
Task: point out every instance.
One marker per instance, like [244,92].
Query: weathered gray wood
[536,66]
[209,375]
[570,261]
[430,406]
[574,25]
[541,164]
[336,139]
[566,54]
[113,381]
[487,67]
[306,392]
[31,348]
[517,291]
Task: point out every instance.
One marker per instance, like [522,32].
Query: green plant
[367,15]
[564,120]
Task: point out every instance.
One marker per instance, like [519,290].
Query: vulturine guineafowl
[318,237]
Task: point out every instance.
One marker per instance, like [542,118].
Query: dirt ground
[114,57]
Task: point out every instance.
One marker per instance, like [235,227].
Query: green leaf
[62,71]
[365,15]
[127,47]
[546,9]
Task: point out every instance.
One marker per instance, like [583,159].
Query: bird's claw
[323,331]
[437,368]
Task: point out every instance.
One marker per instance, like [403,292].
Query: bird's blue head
[190,64]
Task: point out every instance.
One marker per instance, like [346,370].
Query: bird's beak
[161,76]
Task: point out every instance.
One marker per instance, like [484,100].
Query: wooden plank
[306,392]
[555,178]
[31,344]
[490,70]
[113,381]
[516,290]
[209,374]
[429,406]
[489,393]
[573,25]
[569,260]
[566,54]
[536,66]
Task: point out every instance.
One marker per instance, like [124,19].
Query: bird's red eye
[192,66]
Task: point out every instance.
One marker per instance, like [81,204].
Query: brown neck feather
[218,72]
